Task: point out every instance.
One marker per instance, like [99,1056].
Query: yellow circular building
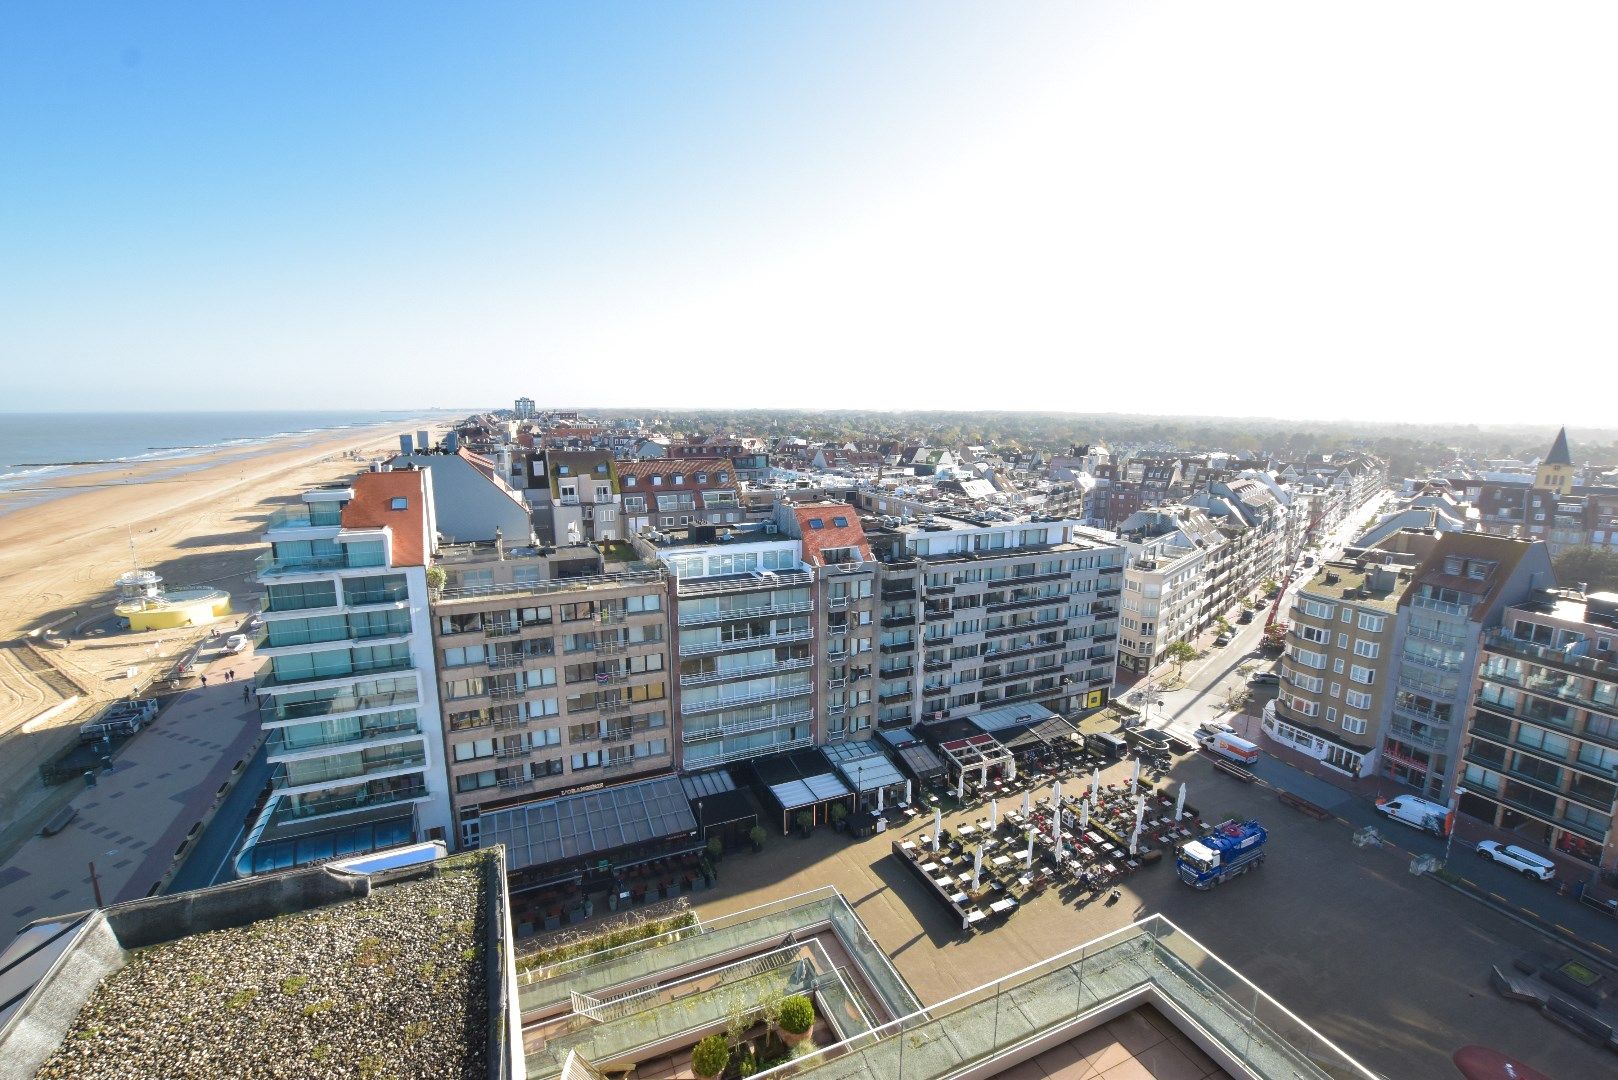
[146,605]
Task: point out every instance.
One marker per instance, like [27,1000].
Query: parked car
[236,643]
[1420,813]
[1246,616]
[1266,678]
[1222,640]
[1516,858]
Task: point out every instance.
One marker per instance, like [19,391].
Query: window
[1372,624]
[1336,689]
[1348,616]
[1357,699]
[657,481]
[1354,725]
[816,523]
[1315,609]
[399,504]
[1368,649]
[724,478]
[1342,641]
[679,478]
[840,522]
[1331,716]
[1337,666]
[1363,675]
[630,481]
[702,478]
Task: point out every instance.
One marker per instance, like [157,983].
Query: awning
[700,785]
[1004,717]
[591,823]
[865,769]
[797,794]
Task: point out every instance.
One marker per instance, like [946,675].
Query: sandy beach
[196,521]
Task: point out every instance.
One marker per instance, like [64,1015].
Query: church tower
[1556,471]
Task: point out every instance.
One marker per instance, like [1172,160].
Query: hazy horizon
[1391,213]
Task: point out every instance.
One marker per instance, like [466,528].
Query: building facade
[1541,750]
[355,736]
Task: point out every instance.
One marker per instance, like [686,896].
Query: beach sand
[196,521]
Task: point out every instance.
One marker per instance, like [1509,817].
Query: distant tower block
[139,585]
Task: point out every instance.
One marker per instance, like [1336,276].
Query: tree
[1596,568]
[710,1056]
[1180,652]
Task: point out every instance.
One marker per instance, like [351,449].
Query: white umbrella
[1140,813]
[1134,775]
[977,866]
[1179,805]
[994,813]
[938,827]
[1056,795]
[907,793]
[1084,814]
[983,781]
[1095,785]
[960,786]
[1027,803]
[1011,769]
[1028,857]
[879,793]
[1134,839]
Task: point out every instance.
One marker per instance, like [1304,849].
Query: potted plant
[716,848]
[839,816]
[806,821]
[796,1017]
[710,1056]
[757,834]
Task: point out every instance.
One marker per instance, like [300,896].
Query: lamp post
[702,825]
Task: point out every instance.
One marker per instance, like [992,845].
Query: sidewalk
[158,789]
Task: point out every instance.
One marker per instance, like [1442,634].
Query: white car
[1524,862]
[236,643]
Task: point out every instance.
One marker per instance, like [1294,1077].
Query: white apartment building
[1169,550]
[355,732]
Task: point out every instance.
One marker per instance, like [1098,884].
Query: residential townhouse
[677,492]
[1163,601]
[1541,748]
[355,736]
[585,496]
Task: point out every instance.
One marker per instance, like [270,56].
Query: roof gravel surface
[388,986]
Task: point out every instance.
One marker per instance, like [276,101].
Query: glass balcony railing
[1442,607]
[697,707]
[277,681]
[337,769]
[292,741]
[311,516]
[379,793]
[280,711]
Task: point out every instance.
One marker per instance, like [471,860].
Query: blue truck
[1233,847]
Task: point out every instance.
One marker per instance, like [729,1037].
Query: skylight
[400,503]
[840,522]
[816,523]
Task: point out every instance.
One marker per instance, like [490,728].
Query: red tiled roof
[685,468]
[851,535]
[372,508]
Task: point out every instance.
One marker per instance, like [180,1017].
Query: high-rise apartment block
[1541,749]
[355,734]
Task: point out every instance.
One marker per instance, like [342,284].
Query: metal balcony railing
[697,708]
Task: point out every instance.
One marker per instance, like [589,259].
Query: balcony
[895,697]
[837,603]
[1431,663]
[938,590]
[1436,637]
[1422,740]
[314,806]
[898,647]
[706,618]
[273,682]
[898,595]
[268,566]
[696,708]
[700,732]
[632,578]
[275,713]
[318,771]
[1027,602]
[306,516]
[763,641]
[279,741]
[1107,594]
[937,665]
[711,677]
[1442,607]
[892,622]
[723,757]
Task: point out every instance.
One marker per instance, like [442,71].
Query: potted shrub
[716,848]
[710,1056]
[839,816]
[757,834]
[797,1016]
[806,821]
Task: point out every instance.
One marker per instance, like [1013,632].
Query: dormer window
[702,478]
[1454,565]
[724,478]
[399,504]
[561,470]
[657,481]
[629,481]
[679,478]
[601,466]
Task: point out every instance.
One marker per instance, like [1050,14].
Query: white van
[1516,858]
[1422,813]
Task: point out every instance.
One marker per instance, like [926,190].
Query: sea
[37,448]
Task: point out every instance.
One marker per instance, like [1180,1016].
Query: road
[1209,683]
[209,860]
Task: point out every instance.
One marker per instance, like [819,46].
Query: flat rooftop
[330,971]
[1349,581]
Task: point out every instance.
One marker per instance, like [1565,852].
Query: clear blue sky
[871,205]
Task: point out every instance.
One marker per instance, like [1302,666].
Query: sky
[1394,211]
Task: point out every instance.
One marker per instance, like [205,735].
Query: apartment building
[837,553]
[355,734]
[1335,683]
[980,613]
[1457,593]
[677,492]
[1163,601]
[743,605]
[1541,745]
[553,673]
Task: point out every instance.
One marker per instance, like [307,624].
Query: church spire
[1559,454]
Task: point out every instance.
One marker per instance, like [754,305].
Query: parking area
[1392,967]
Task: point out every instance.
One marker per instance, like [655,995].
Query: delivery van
[1231,747]
[1420,813]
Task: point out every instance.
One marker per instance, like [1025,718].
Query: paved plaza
[130,824]
[1391,967]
